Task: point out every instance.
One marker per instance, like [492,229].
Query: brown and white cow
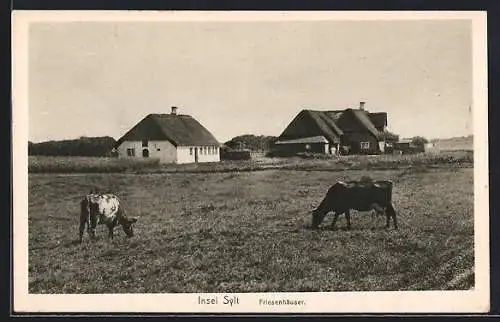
[104,209]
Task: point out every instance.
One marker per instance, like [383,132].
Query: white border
[476,300]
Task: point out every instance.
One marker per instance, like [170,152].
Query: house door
[195,154]
[145,153]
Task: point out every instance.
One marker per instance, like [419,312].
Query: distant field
[459,143]
[244,232]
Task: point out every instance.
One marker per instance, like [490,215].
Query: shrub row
[319,163]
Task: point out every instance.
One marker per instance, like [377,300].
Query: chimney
[362,106]
[174,110]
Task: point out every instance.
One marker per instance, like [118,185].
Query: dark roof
[378,119]
[362,116]
[180,130]
[332,124]
[310,123]
[325,122]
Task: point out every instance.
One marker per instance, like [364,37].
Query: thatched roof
[362,116]
[310,123]
[378,119]
[180,130]
[332,124]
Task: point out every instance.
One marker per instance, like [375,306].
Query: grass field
[245,232]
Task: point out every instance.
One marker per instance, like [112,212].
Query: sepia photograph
[250,161]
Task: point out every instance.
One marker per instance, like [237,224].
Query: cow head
[127,226]
[317,218]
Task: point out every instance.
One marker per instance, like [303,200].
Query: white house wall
[162,150]
[186,154]
[168,153]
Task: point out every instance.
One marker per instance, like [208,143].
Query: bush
[317,156]
[388,137]
[236,155]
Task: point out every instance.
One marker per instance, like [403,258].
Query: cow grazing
[374,196]
[104,209]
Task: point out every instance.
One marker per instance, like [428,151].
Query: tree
[84,146]
[251,142]
[389,137]
[419,141]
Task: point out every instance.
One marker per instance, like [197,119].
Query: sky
[247,77]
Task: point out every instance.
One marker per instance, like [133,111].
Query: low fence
[241,155]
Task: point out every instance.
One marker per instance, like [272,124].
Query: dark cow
[104,209]
[375,196]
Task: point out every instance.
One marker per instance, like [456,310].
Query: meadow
[246,231]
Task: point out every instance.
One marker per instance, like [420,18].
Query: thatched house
[349,131]
[171,138]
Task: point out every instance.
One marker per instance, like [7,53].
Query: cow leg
[348,218]
[83,221]
[92,226]
[391,212]
[84,217]
[334,222]
[110,231]
[372,214]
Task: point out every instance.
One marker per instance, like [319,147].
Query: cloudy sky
[101,78]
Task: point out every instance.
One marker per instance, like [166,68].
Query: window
[144,143]
[365,145]
[190,151]
[130,152]
[308,147]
